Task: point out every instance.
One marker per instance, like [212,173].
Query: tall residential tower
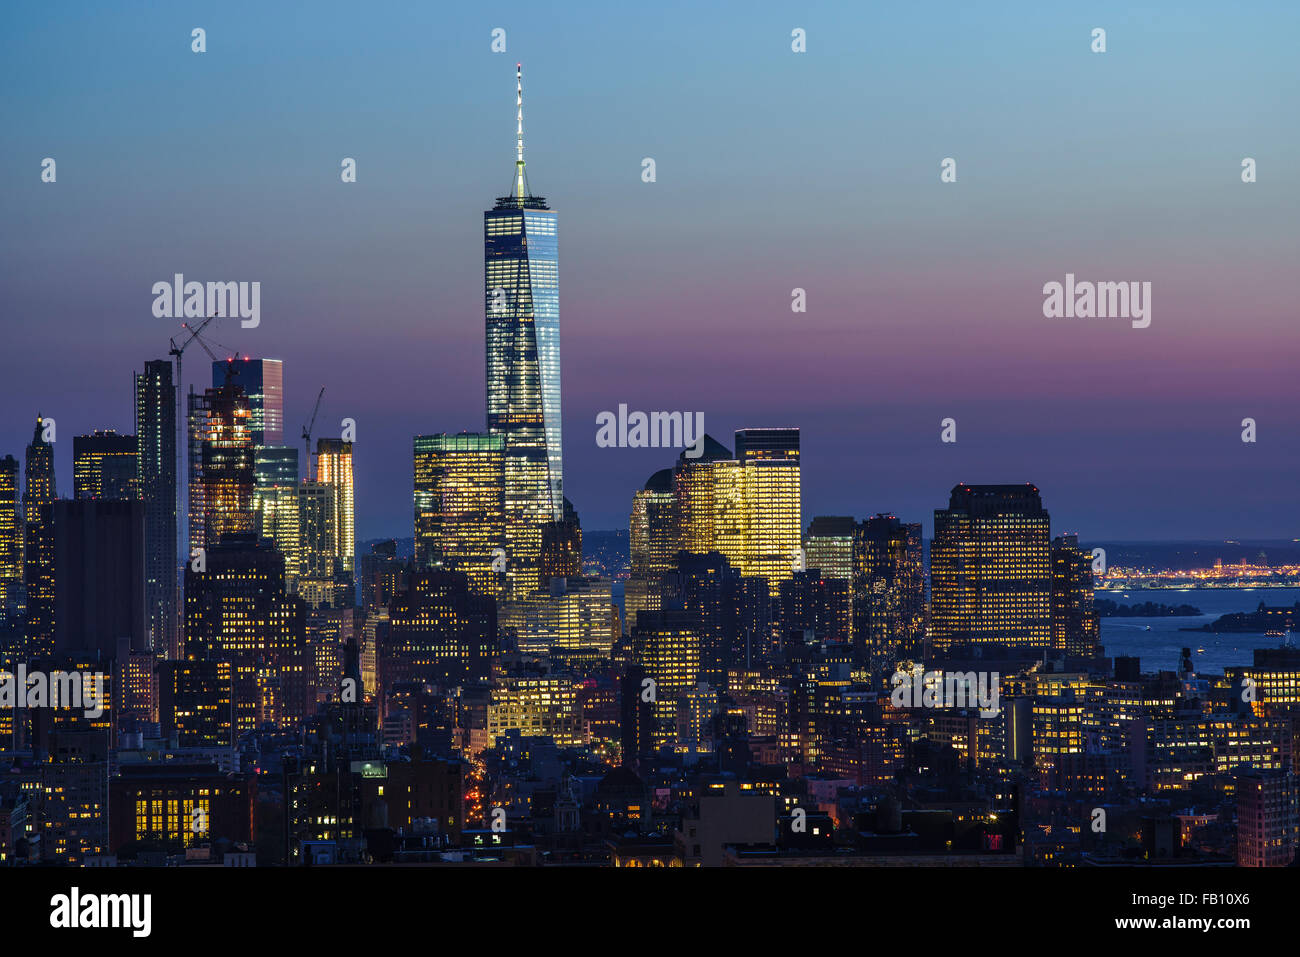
[39,494]
[888,592]
[11,537]
[155,427]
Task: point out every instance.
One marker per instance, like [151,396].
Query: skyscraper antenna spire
[519,131]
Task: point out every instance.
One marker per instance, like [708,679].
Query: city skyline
[1133,433]
[925,497]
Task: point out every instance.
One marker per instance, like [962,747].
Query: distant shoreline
[1101,589]
[1147,609]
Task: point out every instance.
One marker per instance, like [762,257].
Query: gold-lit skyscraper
[666,644]
[732,521]
[990,569]
[747,507]
[535,701]
[11,536]
[769,460]
[574,623]
[654,535]
[334,468]
[1058,730]
[695,490]
[460,507]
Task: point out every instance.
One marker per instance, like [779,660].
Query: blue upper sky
[774,170]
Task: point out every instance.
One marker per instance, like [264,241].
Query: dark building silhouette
[439,630]
[811,602]
[888,587]
[562,547]
[74,781]
[11,541]
[701,586]
[733,611]
[1075,629]
[99,556]
[175,806]
[325,786]
[636,717]
[155,426]
[196,703]
[236,610]
[754,445]
[424,793]
[383,574]
[1268,818]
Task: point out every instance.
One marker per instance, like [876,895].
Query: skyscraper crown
[520,197]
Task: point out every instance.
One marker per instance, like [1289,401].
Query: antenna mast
[519,131]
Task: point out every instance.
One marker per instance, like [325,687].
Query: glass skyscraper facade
[263,382]
[275,503]
[522,313]
[334,468]
[222,466]
[828,545]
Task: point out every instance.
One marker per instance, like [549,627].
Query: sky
[775,170]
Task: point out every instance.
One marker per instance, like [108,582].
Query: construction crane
[182,414]
[211,355]
[306,435]
[176,350]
